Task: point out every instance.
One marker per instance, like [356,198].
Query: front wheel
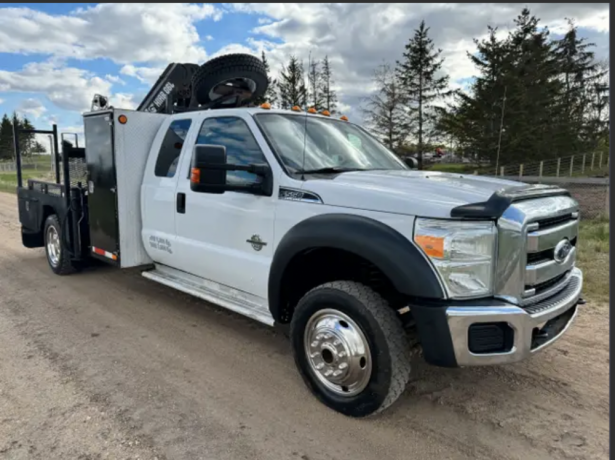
[350,348]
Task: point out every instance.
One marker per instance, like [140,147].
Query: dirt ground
[106,364]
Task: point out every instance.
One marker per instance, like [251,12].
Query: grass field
[593,258]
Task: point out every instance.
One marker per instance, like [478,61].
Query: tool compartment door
[102,186]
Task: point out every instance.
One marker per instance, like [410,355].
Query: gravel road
[106,364]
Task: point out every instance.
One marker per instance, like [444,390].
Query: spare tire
[224,74]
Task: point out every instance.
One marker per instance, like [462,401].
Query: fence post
[583,165]
[520,170]
[600,161]
[502,171]
[540,170]
[608,190]
[592,166]
[559,161]
[571,164]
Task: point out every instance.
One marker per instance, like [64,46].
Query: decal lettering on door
[161,244]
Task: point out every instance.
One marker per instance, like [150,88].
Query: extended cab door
[158,199]
[227,238]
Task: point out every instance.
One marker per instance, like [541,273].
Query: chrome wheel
[53,246]
[338,352]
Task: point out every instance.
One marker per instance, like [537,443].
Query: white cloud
[143,74]
[209,38]
[115,79]
[123,32]
[67,87]
[32,107]
[1,101]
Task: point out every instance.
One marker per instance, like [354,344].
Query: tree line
[28,145]
[296,86]
[533,97]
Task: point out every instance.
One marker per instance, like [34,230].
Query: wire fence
[586,165]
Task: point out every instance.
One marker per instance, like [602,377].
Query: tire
[229,67]
[381,378]
[57,257]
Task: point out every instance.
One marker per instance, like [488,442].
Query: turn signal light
[432,245]
[265,105]
[195,175]
[311,110]
[296,108]
[325,113]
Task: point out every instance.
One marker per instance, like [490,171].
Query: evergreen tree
[420,74]
[315,98]
[385,110]
[328,94]
[271,95]
[6,138]
[292,88]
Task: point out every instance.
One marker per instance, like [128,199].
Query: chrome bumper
[523,322]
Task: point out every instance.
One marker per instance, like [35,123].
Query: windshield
[328,144]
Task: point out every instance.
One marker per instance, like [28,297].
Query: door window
[171,148]
[241,147]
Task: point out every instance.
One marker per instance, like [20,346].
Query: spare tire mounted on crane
[231,80]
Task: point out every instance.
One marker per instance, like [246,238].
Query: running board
[232,299]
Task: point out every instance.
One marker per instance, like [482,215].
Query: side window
[241,147]
[171,148]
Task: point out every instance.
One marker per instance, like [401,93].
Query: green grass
[593,258]
[8,180]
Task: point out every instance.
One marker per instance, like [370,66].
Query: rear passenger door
[158,202]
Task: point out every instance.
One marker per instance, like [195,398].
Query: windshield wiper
[330,170]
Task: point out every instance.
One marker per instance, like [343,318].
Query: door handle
[181,203]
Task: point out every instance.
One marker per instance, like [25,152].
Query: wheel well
[47,211]
[314,267]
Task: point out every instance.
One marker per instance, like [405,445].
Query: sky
[55,57]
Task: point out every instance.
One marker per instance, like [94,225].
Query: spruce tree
[315,97]
[6,138]
[292,90]
[329,96]
[420,74]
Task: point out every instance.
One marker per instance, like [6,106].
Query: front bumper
[533,327]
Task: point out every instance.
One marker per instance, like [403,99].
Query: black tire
[61,263]
[229,67]
[383,331]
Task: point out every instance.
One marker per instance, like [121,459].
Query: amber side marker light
[431,245]
[122,119]
[195,175]
[265,105]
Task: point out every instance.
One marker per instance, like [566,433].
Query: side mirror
[209,167]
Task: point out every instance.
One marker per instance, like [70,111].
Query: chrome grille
[529,231]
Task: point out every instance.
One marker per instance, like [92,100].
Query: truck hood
[418,193]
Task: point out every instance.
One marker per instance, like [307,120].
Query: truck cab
[306,220]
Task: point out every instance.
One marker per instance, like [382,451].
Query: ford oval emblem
[562,250]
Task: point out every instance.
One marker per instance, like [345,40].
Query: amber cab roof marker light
[296,108]
[325,113]
[312,110]
[344,118]
[265,105]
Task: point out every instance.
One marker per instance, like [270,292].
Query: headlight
[462,252]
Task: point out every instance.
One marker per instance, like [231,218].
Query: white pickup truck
[302,219]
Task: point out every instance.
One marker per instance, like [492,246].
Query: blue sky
[55,57]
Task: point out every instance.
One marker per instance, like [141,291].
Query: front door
[227,238]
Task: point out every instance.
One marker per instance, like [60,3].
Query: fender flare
[397,257]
